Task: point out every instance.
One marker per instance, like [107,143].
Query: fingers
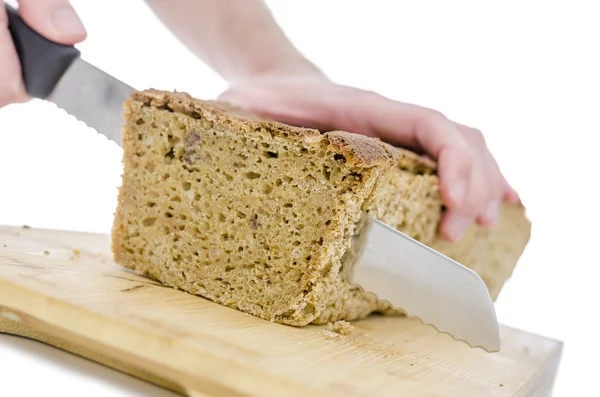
[481,199]
[440,138]
[496,187]
[427,130]
[492,184]
[511,195]
[471,184]
[54,19]
[11,87]
[457,220]
[464,186]
[507,192]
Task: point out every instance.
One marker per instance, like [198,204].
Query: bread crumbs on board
[76,254]
[339,328]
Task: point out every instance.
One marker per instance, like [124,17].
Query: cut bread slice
[257,215]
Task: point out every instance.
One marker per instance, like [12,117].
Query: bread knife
[56,73]
[412,277]
[422,283]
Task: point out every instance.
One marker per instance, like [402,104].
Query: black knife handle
[43,62]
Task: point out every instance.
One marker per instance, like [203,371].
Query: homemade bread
[257,215]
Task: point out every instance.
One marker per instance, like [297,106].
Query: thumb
[54,19]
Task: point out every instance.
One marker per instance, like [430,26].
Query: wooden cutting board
[63,288]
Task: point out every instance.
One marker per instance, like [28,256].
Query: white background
[524,72]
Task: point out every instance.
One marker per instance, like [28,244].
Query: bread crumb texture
[341,327]
[257,215]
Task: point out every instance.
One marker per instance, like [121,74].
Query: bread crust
[396,185]
[359,150]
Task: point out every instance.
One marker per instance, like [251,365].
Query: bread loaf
[257,215]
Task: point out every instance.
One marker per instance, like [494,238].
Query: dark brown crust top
[362,150]
[410,161]
[184,103]
[359,150]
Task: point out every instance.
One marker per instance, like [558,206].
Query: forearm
[239,39]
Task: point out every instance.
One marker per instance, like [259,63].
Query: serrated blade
[423,283]
[93,97]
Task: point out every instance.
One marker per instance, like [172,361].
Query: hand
[54,19]
[471,185]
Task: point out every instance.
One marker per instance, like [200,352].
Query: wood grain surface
[62,288]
